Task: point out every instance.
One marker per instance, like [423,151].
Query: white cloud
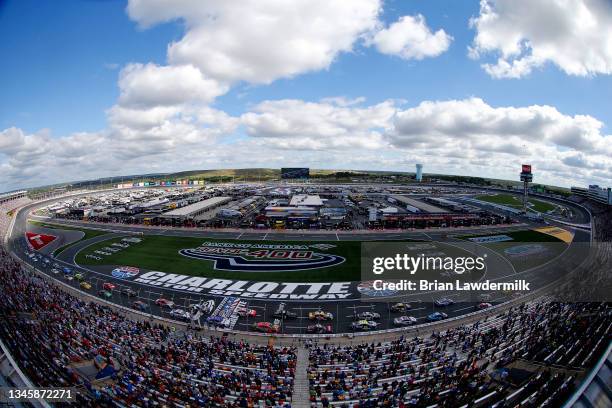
[259,41]
[502,137]
[455,136]
[472,120]
[332,123]
[575,35]
[150,85]
[411,38]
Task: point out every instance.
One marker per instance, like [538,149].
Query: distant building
[197,209]
[594,193]
[419,172]
[12,196]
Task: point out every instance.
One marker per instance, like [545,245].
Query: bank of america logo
[322,247]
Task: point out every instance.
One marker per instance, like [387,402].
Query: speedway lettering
[248,289]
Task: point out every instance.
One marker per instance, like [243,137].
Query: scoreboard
[295,173]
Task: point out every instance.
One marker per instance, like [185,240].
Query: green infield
[515,201]
[526,249]
[161,253]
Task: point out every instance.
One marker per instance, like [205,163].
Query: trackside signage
[249,289]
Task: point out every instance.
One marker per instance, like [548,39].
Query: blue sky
[63,60]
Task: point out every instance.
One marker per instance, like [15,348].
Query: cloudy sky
[104,88]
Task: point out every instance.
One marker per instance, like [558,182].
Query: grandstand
[50,333]
[459,366]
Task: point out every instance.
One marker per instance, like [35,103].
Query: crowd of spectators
[50,332]
[453,367]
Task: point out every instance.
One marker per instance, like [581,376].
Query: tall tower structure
[419,172]
[526,178]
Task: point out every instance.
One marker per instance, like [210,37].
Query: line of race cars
[230,309]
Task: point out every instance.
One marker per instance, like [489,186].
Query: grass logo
[261,258]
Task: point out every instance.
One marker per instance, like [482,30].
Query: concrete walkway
[301,394]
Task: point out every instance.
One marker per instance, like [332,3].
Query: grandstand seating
[48,331]
[452,368]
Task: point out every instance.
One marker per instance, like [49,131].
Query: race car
[246,312]
[267,327]
[217,321]
[55,271]
[404,321]
[364,325]
[319,329]
[79,277]
[86,285]
[204,307]
[128,292]
[483,305]
[368,316]
[105,294]
[180,314]
[283,313]
[108,286]
[161,302]
[142,306]
[444,302]
[320,315]
[400,307]
[67,270]
[436,316]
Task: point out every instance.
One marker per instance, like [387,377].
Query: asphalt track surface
[422,304]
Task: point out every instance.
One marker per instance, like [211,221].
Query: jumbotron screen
[295,173]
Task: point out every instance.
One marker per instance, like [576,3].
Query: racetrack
[342,308]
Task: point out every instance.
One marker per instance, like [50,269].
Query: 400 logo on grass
[229,256]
